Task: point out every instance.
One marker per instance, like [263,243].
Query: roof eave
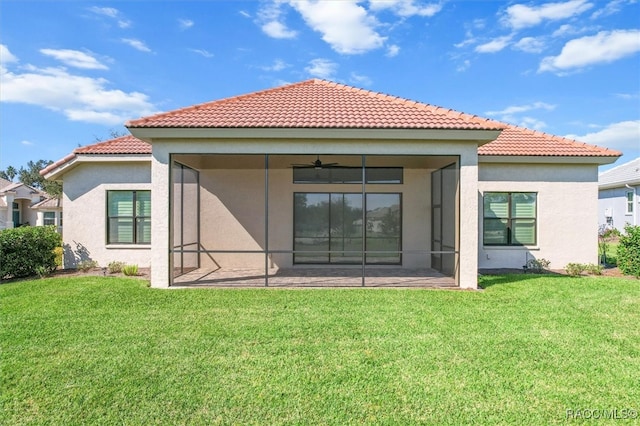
[542,159]
[151,134]
[56,173]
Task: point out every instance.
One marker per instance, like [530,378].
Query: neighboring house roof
[323,104]
[48,203]
[4,183]
[627,173]
[316,104]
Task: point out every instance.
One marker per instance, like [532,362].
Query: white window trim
[629,203]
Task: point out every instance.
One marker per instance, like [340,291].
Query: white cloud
[344,25]
[406,8]
[6,56]
[278,65]
[113,13]
[464,66]
[74,58]
[185,24]
[393,50]
[245,14]
[622,136]
[516,109]
[530,45]
[79,98]
[362,80]
[322,68]
[27,143]
[494,45]
[520,16]
[136,44]
[532,123]
[606,46]
[611,8]
[277,29]
[202,52]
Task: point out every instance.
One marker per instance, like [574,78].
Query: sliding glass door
[328,228]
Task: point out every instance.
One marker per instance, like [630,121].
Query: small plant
[538,265]
[575,269]
[115,267]
[130,270]
[87,265]
[58,252]
[594,269]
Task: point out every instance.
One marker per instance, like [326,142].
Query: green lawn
[94,350]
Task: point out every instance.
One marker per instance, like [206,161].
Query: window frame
[45,218]
[510,219]
[629,201]
[134,218]
[365,235]
[357,178]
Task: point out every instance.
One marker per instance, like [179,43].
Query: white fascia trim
[619,184]
[481,137]
[57,173]
[520,159]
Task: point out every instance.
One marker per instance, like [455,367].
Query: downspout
[633,206]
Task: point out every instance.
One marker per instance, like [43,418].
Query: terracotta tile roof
[123,145]
[316,104]
[519,141]
[119,146]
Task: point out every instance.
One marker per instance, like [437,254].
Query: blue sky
[72,72]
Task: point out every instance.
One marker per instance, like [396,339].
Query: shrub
[58,252]
[594,269]
[629,251]
[87,265]
[538,265]
[28,250]
[115,267]
[130,270]
[575,269]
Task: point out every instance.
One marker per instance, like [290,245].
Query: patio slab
[316,277]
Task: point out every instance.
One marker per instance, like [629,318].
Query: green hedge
[28,250]
[629,251]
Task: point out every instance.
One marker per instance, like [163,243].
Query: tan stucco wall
[567,222]
[84,198]
[232,214]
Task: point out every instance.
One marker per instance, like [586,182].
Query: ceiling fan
[317,164]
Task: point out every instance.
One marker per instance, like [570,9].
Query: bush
[58,252]
[115,267]
[538,265]
[28,250]
[629,251]
[87,265]
[130,270]
[575,269]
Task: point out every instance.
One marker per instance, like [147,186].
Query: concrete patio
[315,278]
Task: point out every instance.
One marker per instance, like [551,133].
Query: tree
[9,173]
[31,176]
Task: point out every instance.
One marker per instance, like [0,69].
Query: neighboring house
[284,179]
[619,196]
[22,205]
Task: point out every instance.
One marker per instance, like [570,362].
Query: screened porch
[314,220]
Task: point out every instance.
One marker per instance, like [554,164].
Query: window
[49,218]
[384,175]
[128,217]
[509,218]
[328,228]
[629,197]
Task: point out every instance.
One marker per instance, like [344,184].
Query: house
[619,196]
[21,205]
[322,179]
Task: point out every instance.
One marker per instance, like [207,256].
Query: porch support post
[364,217]
[9,220]
[160,217]
[467,262]
[266,220]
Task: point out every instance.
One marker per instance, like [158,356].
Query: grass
[106,350]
